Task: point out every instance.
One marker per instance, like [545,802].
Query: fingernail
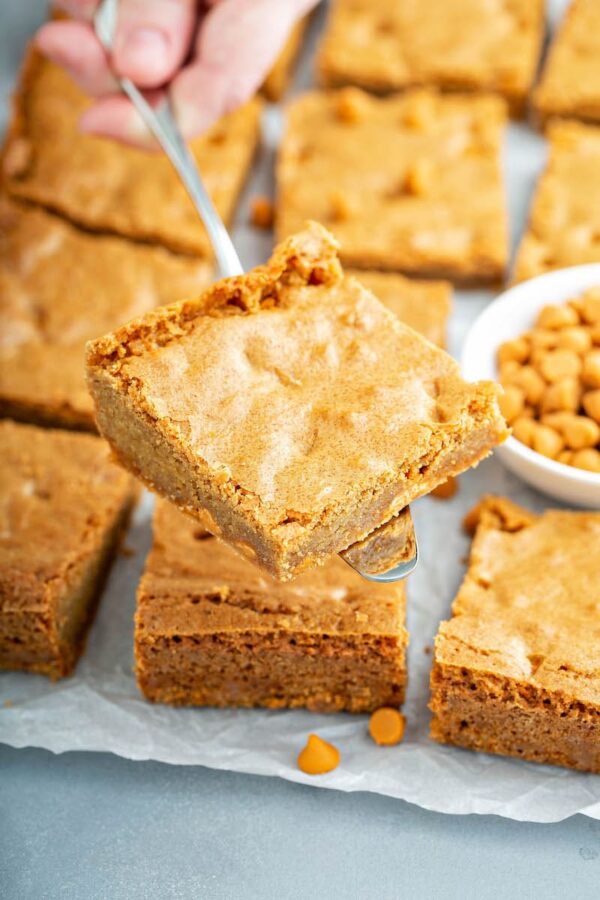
[147,47]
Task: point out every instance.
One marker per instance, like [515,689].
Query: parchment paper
[100,709]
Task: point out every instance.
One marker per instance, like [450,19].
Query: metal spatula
[163,125]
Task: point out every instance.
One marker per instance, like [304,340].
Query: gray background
[97,826]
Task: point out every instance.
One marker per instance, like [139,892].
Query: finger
[115,117]
[74,46]
[237,44]
[153,38]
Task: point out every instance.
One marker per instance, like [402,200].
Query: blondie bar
[59,287]
[105,186]
[290,406]
[424,305]
[564,222]
[570,82]
[452,44]
[64,507]
[213,630]
[410,183]
[516,668]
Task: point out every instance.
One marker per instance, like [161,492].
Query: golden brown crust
[564,221]
[49,306]
[520,654]
[212,629]
[570,82]
[275,401]
[400,167]
[64,498]
[452,44]
[48,160]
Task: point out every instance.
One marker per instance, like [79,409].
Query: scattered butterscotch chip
[318,756]
[446,490]
[386,726]
[262,212]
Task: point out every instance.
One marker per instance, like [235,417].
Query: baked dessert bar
[424,305]
[213,630]
[410,183]
[570,82]
[279,78]
[385,548]
[289,406]
[564,222]
[516,668]
[64,507]
[105,186]
[60,286]
[453,44]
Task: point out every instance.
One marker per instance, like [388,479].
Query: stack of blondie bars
[289,416]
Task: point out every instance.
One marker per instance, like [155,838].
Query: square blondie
[570,83]
[105,186]
[64,508]
[213,630]
[59,287]
[288,408]
[516,668]
[564,221]
[409,183]
[462,45]
[424,305]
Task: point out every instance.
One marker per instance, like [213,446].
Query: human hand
[210,57]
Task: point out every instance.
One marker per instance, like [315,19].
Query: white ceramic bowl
[512,313]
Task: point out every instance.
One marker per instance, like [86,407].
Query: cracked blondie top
[59,287]
[106,186]
[410,183]
[289,404]
[528,607]
[570,82]
[453,44]
[564,221]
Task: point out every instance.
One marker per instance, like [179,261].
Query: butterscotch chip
[564,221]
[262,212]
[580,432]
[386,726]
[590,373]
[59,287]
[423,228]
[562,395]
[341,207]
[64,509]
[557,317]
[570,83]
[555,365]
[515,670]
[447,490]
[318,756]
[454,44]
[512,402]
[523,429]
[516,350]
[565,457]
[311,414]
[531,383]
[136,194]
[547,441]
[588,459]
[543,339]
[595,334]
[591,404]
[350,106]
[577,338]
[590,306]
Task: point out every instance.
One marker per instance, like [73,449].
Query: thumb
[152,39]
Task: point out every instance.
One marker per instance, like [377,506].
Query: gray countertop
[96,826]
